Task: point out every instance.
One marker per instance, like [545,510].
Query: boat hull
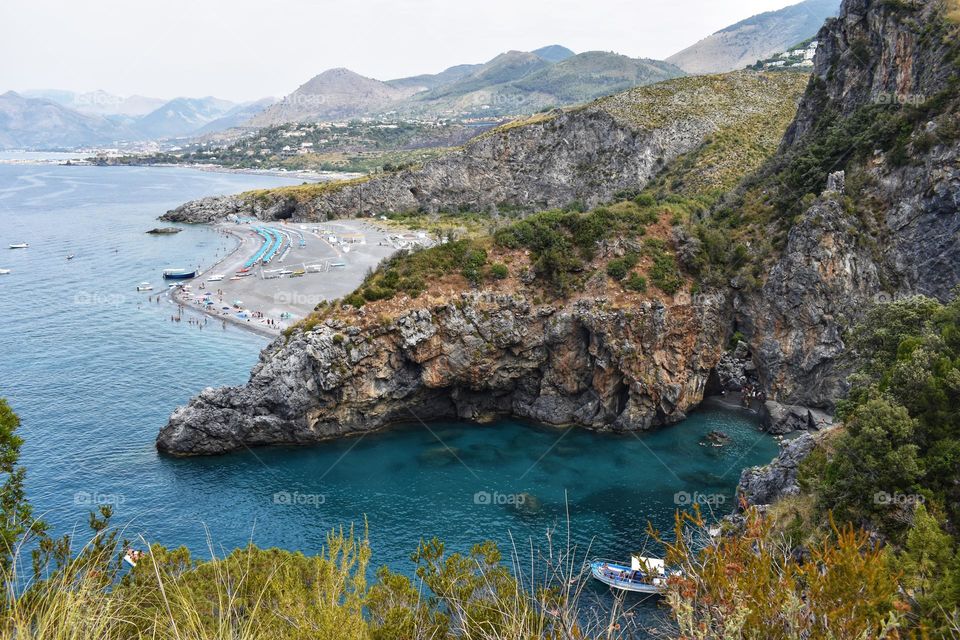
[611,575]
[179,275]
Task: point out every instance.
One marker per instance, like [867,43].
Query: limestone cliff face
[875,52]
[881,227]
[477,357]
[586,154]
[891,230]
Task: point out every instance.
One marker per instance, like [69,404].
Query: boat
[133,556]
[4,272]
[178,274]
[643,575]
[20,245]
[144,286]
[216,278]
[71,256]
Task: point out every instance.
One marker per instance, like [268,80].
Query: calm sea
[94,370]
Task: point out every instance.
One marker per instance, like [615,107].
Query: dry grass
[255,594]
[953,10]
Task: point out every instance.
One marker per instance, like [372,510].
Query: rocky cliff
[586,154]
[864,193]
[881,114]
[478,356]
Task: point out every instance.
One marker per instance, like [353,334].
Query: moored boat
[178,274]
[133,556]
[144,286]
[4,272]
[20,245]
[643,575]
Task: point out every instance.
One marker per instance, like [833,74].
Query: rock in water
[586,363]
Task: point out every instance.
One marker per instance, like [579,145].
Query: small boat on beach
[643,575]
[144,286]
[216,278]
[20,245]
[178,274]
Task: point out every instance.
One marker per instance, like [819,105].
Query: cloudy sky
[248,49]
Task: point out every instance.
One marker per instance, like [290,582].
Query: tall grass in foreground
[254,594]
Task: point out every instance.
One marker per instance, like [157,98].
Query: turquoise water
[94,370]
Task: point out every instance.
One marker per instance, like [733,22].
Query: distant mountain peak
[756,38]
[553,53]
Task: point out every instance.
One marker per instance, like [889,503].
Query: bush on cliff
[752,585]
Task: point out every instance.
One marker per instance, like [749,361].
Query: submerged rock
[715,439]
[162,231]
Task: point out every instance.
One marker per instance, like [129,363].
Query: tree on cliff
[17,524]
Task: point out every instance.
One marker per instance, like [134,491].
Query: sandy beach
[314,262]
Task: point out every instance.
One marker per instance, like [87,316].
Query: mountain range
[513,83]
[61,119]
[756,38]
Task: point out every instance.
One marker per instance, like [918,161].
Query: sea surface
[94,369]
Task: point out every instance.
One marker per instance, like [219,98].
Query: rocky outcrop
[892,234]
[766,485]
[475,358]
[883,226]
[876,52]
[586,154]
[780,419]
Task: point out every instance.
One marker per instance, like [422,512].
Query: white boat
[216,278]
[643,575]
[71,257]
[133,556]
[19,245]
[144,286]
[4,272]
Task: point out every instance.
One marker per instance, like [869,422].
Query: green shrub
[636,283]
[618,268]
[499,271]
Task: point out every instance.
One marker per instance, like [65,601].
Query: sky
[250,49]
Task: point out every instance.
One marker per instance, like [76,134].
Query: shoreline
[305,174]
[84,161]
[174,294]
[316,262]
